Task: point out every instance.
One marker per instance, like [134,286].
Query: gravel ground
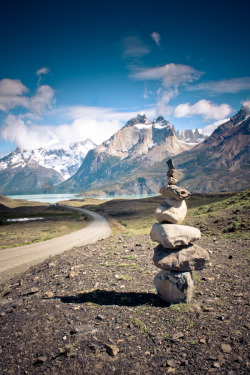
[94,310]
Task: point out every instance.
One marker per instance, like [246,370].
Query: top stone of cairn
[170,190]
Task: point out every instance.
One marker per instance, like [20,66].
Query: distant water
[54,198]
[45,198]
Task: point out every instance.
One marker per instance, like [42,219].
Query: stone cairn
[176,254]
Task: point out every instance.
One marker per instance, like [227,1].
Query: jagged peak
[241,115]
[139,119]
[161,121]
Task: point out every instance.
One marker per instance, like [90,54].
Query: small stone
[216,365]
[222,318]
[49,294]
[72,274]
[226,348]
[172,173]
[172,181]
[42,358]
[171,363]
[100,317]
[157,340]
[112,349]
[172,236]
[202,341]
[177,336]
[147,353]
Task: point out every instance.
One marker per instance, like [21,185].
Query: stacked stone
[176,254]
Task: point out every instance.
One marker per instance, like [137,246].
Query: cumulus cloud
[134,47]
[77,124]
[204,108]
[156,37]
[230,86]
[11,94]
[170,75]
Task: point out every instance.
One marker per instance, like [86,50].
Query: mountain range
[36,171]
[133,160]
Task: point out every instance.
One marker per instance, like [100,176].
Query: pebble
[226,348]
[177,336]
[216,365]
[112,349]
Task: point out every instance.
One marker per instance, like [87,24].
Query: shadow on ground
[105,297]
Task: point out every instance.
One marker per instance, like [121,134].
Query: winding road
[18,259]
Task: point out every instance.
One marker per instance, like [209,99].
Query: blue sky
[71,70]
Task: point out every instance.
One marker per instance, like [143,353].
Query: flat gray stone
[171,211]
[173,236]
[174,192]
[189,258]
[174,287]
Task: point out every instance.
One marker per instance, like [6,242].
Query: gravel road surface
[19,259]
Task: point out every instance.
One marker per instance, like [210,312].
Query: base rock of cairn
[176,254]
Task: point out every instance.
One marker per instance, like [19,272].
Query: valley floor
[94,310]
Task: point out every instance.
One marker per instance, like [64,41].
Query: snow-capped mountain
[36,171]
[64,161]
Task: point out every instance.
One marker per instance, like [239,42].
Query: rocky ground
[93,310]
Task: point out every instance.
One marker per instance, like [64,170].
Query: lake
[54,198]
[45,198]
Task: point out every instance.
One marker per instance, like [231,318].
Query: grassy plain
[57,222]
[224,215]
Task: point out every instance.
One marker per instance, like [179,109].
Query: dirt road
[19,259]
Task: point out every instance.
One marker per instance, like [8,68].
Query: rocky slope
[221,162]
[138,145]
[36,171]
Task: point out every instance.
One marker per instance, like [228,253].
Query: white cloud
[204,108]
[43,70]
[77,124]
[11,94]
[12,87]
[43,98]
[134,47]
[163,99]
[171,75]
[209,129]
[231,86]
[156,37]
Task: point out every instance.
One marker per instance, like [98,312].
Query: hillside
[221,162]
